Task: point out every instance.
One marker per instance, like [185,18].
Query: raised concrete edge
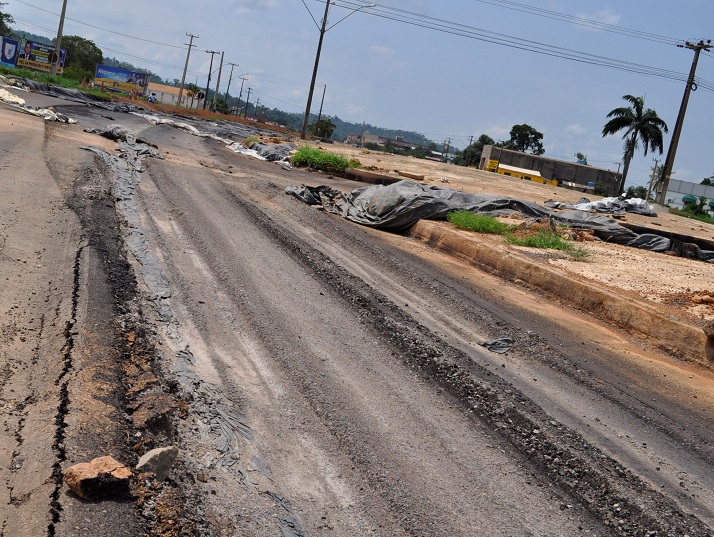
[674,337]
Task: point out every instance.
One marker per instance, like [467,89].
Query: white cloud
[605,16]
[353,109]
[381,50]
[575,129]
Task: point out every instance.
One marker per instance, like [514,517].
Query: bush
[320,159]
[477,222]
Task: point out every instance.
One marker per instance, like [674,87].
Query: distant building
[168,94]
[677,190]
[574,175]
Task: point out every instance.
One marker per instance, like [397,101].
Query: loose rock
[158,461]
[102,478]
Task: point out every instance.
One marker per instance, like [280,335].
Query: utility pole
[210,69]
[247,102]
[257,108]
[471,140]
[361,136]
[319,116]
[619,164]
[447,145]
[230,78]
[652,180]
[58,42]
[691,86]
[218,83]
[185,68]
[240,95]
[314,71]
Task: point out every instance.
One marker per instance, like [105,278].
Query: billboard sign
[9,51]
[39,57]
[114,78]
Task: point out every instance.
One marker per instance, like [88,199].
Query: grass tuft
[320,159]
[533,237]
[477,222]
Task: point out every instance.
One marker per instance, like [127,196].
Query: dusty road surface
[318,378]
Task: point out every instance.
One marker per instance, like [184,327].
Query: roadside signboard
[9,51]
[39,57]
[114,78]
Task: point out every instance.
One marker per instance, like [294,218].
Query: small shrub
[477,222]
[534,237]
[251,140]
[319,159]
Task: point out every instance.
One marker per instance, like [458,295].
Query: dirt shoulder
[675,289]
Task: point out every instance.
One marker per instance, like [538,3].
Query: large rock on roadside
[158,461]
[100,479]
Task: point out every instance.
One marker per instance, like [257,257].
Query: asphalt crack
[62,409]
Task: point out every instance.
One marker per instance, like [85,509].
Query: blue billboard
[114,78]
[9,49]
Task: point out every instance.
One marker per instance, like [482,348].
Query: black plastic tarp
[397,206]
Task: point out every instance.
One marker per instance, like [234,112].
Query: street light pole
[58,41]
[323,29]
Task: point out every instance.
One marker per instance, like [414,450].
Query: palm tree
[639,124]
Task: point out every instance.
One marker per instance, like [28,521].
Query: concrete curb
[676,338]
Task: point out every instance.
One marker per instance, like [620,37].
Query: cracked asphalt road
[329,377]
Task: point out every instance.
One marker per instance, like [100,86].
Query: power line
[581,21]
[471,32]
[100,28]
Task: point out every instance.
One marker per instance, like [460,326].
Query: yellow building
[521,173]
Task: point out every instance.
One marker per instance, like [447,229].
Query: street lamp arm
[349,15]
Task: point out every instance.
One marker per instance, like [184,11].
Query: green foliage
[636,192]
[708,181]
[251,140]
[542,238]
[581,159]
[82,55]
[685,212]
[471,156]
[323,128]
[62,81]
[319,159]
[525,138]
[477,222]
[546,238]
[5,21]
[639,124]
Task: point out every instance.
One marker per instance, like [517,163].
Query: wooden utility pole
[652,180]
[691,85]
[247,102]
[185,68]
[218,84]
[58,41]
[210,69]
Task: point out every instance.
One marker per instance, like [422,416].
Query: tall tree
[323,128]
[5,21]
[525,138]
[82,54]
[639,124]
[471,156]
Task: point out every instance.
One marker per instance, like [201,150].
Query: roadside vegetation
[319,159]
[535,236]
[695,210]
[63,81]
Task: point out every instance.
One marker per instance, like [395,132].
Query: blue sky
[398,75]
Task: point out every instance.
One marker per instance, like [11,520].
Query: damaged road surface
[317,377]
